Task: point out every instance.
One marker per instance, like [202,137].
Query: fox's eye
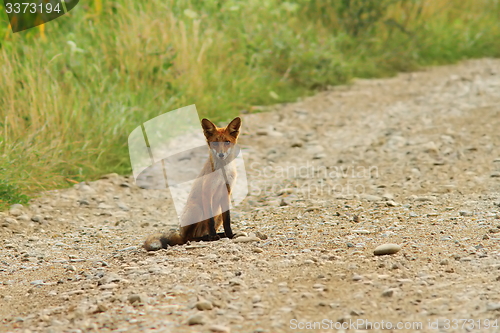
[215,144]
[227,143]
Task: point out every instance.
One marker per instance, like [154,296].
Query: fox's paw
[213,237]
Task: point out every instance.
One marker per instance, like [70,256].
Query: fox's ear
[234,127]
[208,127]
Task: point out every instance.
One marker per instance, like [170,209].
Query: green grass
[70,93]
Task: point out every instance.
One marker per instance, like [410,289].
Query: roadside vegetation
[73,89]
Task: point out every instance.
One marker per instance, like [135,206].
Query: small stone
[424,198]
[130,248]
[102,205]
[386,249]
[219,329]
[197,319]
[236,282]
[392,203]
[493,306]
[388,196]
[369,197]
[23,218]
[357,277]
[122,206]
[85,188]
[444,262]
[261,235]
[355,313]
[388,293]
[37,218]
[361,232]
[257,250]
[9,220]
[15,212]
[465,213]
[37,282]
[134,298]
[108,286]
[244,239]
[239,234]
[204,305]
[101,308]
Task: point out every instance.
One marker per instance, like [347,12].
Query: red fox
[207,206]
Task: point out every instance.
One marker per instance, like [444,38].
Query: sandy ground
[412,160]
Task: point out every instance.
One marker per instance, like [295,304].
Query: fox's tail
[162,241]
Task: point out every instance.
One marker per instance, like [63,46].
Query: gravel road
[412,161]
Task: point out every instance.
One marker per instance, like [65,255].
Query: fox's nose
[221,155]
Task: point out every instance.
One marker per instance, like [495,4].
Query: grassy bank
[71,92]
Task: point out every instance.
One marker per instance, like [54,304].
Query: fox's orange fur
[210,194]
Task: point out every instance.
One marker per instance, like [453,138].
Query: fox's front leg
[212,233]
[226,220]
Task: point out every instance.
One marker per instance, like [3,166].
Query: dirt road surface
[412,160]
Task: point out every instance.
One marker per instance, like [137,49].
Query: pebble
[370,197]
[361,232]
[130,248]
[36,218]
[357,277]
[9,220]
[204,305]
[108,286]
[493,306]
[135,298]
[424,198]
[239,234]
[392,203]
[37,282]
[261,235]
[23,218]
[219,329]
[122,206]
[244,239]
[257,250]
[197,319]
[102,205]
[236,282]
[15,212]
[85,188]
[386,249]
[388,293]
